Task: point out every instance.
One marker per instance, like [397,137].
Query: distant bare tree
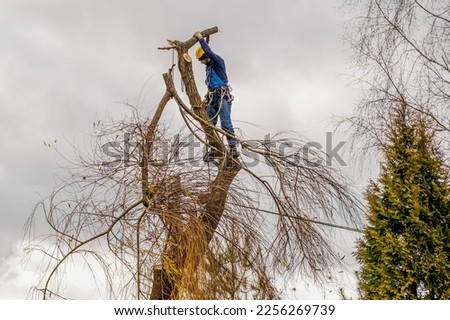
[175,228]
[402,56]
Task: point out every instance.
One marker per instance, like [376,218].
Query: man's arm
[207,48]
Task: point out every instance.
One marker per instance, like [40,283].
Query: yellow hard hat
[199,52]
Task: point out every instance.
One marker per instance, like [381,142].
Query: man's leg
[213,114]
[227,125]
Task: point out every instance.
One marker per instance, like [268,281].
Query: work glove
[198,35]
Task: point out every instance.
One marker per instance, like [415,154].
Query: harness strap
[222,92]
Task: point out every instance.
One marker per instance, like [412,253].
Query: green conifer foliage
[405,250]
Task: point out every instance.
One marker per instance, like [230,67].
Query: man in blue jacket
[218,99]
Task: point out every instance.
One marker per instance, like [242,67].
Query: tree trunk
[213,200]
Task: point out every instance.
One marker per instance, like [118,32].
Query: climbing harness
[216,97]
[223,92]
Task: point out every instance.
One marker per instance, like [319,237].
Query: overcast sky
[65,63]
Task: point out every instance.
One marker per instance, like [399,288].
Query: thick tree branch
[148,143]
[187,76]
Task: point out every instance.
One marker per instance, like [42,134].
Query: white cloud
[21,272]
[15,278]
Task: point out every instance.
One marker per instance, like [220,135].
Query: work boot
[234,152]
[211,156]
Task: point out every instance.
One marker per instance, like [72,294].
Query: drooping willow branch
[84,243]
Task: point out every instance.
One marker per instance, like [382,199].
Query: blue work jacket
[216,73]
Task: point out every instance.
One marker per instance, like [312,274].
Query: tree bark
[148,143]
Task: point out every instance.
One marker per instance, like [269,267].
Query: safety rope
[222,94]
[223,91]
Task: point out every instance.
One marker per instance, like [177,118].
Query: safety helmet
[199,52]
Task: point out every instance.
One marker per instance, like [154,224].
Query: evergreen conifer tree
[405,250]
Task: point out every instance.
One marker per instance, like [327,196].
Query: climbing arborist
[218,99]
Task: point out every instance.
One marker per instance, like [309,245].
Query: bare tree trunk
[148,143]
[163,283]
[162,286]
[214,199]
